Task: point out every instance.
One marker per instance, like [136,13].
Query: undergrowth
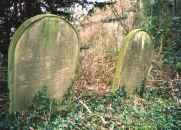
[88,111]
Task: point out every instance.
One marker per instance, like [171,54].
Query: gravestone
[134,60]
[43,53]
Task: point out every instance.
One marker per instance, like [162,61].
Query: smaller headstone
[134,60]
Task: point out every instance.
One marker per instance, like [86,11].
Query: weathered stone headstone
[43,53]
[134,60]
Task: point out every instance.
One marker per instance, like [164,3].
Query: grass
[88,111]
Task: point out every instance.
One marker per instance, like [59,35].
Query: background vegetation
[88,111]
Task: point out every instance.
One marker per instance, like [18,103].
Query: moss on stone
[49,25]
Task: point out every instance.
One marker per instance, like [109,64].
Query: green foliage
[42,102]
[161,22]
[157,19]
[112,112]
[178,67]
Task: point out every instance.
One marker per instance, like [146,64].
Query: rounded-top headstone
[43,53]
[134,60]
